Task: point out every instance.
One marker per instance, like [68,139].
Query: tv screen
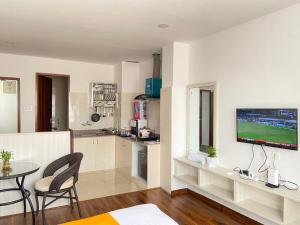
[271,127]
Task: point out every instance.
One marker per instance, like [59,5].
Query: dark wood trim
[200,119]
[179,192]
[19,98]
[36,95]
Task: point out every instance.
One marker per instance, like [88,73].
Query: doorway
[52,102]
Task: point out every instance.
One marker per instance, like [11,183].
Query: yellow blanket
[103,219]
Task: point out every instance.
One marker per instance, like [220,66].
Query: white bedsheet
[147,214]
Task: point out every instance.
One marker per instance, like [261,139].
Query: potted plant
[211,156]
[6,156]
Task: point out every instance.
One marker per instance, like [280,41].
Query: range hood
[154,84]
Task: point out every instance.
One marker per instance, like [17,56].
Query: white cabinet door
[104,153]
[86,147]
[124,155]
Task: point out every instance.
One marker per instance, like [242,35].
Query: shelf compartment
[257,201]
[262,210]
[218,191]
[188,179]
[291,212]
[219,186]
[186,173]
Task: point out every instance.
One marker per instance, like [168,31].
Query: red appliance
[140,109]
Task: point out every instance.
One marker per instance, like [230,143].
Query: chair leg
[43,209]
[77,201]
[71,198]
[37,203]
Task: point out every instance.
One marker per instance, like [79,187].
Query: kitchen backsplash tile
[80,113]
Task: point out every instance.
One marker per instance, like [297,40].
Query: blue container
[153,86]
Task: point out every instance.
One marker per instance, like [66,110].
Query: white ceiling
[106,31]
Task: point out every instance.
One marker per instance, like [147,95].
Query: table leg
[23,195]
[26,195]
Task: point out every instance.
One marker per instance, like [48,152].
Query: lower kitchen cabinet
[124,155]
[98,153]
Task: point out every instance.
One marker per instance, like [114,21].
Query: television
[270,127]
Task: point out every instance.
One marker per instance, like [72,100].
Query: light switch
[27,108]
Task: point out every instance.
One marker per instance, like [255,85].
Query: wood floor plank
[187,209]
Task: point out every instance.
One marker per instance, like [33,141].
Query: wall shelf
[262,210]
[103,97]
[279,205]
[191,180]
[218,191]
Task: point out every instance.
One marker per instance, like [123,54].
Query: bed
[146,214]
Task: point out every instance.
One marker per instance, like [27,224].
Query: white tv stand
[279,205]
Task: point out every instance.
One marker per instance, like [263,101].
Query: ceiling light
[163,26]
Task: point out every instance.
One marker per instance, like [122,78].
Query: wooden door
[44,103]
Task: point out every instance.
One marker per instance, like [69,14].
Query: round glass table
[18,171]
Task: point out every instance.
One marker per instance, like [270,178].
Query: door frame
[215,87]
[36,95]
[19,99]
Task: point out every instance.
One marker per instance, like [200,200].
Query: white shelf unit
[187,173]
[279,205]
[216,185]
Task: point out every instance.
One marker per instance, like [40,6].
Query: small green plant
[6,155]
[211,151]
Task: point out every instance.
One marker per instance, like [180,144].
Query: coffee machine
[136,125]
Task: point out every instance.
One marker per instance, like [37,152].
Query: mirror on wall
[9,105]
[200,118]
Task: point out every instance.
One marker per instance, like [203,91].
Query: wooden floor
[187,209]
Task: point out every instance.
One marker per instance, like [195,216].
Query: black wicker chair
[57,186]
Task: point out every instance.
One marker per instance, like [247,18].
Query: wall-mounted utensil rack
[103,97]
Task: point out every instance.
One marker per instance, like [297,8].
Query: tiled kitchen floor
[105,183]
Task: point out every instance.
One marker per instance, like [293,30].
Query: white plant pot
[212,161]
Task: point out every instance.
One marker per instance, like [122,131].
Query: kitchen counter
[89,133]
[100,133]
[135,140]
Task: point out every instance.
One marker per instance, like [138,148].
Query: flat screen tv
[270,127]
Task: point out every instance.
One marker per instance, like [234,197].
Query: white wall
[130,77]
[25,67]
[146,71]
[256,65]
[175,68]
